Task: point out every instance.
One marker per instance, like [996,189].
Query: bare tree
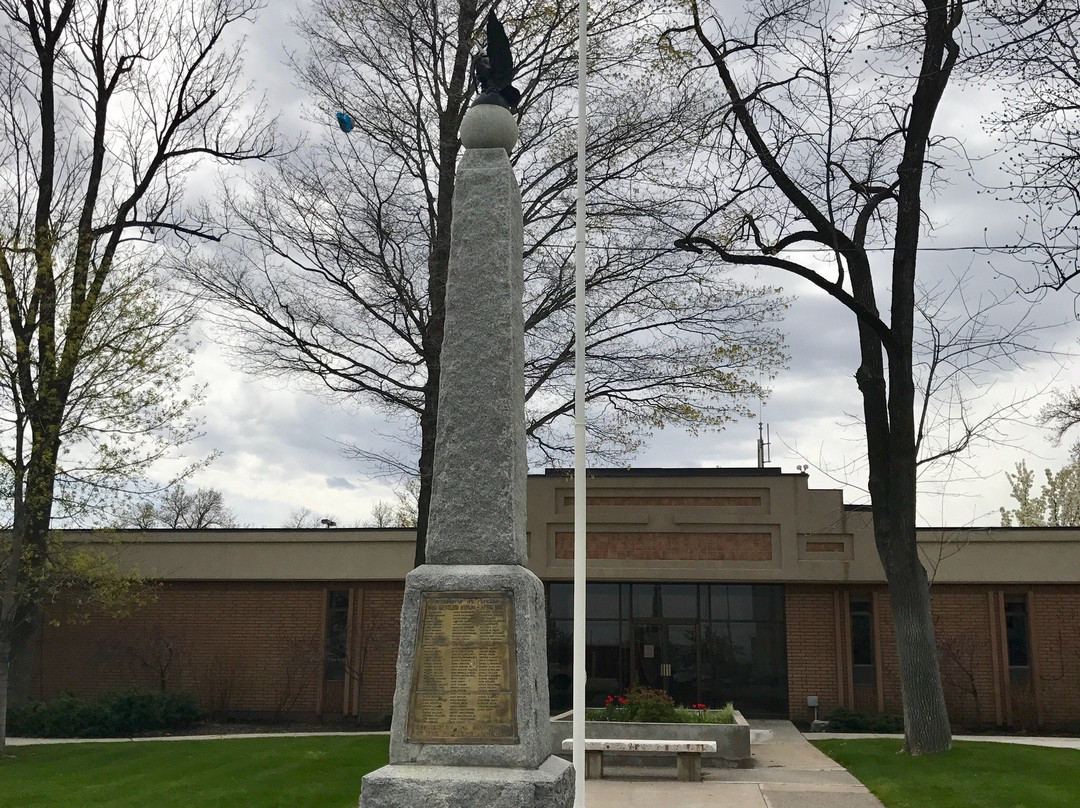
[305,519]
[958,657]
[830,119]
[104,107]
[341,276]
[1031,48]
[399,512]
[180,509]
[1063,412]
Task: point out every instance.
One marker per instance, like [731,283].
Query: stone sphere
[488,126]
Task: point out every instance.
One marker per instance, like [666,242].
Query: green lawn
[987,775]
[317,772]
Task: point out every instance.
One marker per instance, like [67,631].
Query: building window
[862,640]
[702,643]
[337,629]
[1016,637]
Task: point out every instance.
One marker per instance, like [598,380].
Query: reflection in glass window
[717,602]
[768,603]
[603,653]
[560,648]
[680,601]
[602,600]
[337,628]
[862,641]
[716,642]
[648,600]
[740,602]
[742,642]
[1016,631]
[560,600]
[671,601]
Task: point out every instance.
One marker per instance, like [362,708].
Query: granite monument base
[498,709]
[409,786]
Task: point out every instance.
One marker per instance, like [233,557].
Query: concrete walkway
[1057,743]
[788,773]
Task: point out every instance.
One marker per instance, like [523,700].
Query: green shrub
[109,716]
[844,720]
[688,715]
[650,705]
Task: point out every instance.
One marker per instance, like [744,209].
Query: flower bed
[655,706]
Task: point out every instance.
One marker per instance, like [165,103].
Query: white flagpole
[579,427]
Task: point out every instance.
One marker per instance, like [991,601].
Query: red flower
[698,707]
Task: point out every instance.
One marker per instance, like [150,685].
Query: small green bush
[650,705]
[844,720]
[113,715]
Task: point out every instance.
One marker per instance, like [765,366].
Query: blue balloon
[344,121]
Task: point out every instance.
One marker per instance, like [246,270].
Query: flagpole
[579,426]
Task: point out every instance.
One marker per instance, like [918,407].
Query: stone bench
[688,752]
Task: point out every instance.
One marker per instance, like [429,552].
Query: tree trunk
[28,622]
[926,720]
[427,466]
[5,663]
[891,455]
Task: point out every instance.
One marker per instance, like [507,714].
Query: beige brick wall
[239,646]
[377,644]
[969,629]
[811,649]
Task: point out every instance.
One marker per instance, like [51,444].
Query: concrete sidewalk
[788,773]
[1028,740]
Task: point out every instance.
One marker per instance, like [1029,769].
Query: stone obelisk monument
[471,718]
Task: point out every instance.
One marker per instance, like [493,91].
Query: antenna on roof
[764,447]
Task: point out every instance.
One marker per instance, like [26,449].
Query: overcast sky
[277,444]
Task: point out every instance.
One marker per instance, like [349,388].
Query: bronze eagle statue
[493,69]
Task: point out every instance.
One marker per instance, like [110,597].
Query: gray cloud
[279,444]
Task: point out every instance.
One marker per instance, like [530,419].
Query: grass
[315,772]
[987,775]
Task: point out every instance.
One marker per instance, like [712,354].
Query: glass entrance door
[665,658]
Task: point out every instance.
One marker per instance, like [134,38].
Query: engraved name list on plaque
[463,689]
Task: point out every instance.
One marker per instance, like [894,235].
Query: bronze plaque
[464,671]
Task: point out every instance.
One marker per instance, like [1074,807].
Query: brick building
[714,584]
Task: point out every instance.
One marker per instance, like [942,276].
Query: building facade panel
[244,646]
[241,647]
[813,637]
[712,584]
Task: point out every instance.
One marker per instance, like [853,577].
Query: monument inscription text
[464,688]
